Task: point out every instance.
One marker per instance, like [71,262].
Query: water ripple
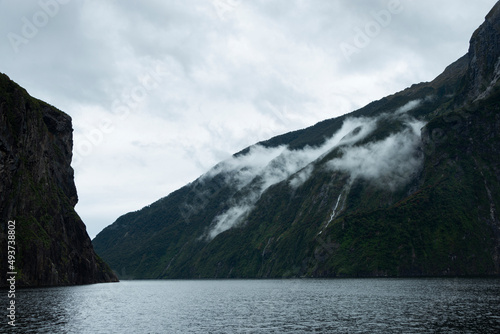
[263,306]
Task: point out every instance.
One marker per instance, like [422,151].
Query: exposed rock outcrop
[484,59]
[37,191]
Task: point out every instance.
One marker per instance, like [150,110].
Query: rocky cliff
[37,191]
[483,55]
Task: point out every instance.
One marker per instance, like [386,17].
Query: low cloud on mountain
[389,162]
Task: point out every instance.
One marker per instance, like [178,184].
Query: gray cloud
[236,72]
[391,162]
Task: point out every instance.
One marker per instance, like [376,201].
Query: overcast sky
[161,90]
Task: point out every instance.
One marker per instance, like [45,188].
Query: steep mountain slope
[37,191]
[408,185]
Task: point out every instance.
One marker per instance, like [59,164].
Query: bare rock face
[37,191]
[484,60]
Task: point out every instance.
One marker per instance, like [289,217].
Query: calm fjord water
[262,306]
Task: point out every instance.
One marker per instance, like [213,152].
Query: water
[262,306]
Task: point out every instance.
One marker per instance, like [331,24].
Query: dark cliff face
[37,191]
[484,61]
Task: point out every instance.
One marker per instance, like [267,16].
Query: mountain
[409,185]
[37,197]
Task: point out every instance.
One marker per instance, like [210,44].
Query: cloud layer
[391,162]
[231,73]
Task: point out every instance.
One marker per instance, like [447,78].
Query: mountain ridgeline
[407,186]
[42,239]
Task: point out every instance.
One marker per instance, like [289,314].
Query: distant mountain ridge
[409,185]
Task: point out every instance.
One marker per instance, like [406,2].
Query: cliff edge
[38,195]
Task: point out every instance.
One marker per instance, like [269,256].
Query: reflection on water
[262,306]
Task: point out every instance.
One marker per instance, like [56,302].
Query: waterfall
[334,210]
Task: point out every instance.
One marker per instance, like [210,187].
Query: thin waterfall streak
[344,191]
[334,210]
